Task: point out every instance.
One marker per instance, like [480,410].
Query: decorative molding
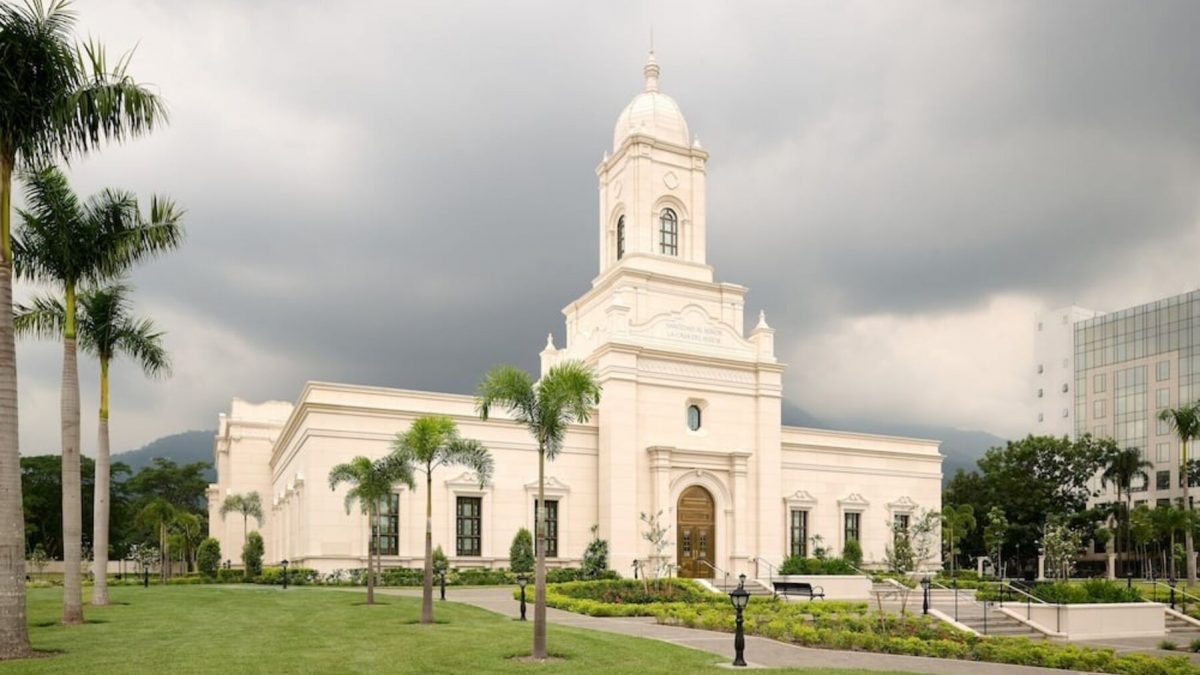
[853,500]
[554,487]
[904,504]
[800,499]
[467,480]
[670,180]
[696,372]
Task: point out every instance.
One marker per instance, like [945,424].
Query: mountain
[182,448]
[961,448]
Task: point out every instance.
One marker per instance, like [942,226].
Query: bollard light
[635,568]
[521,581]
[925,587]
[739,597]
[442,577]
[285,564]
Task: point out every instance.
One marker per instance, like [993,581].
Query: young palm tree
[55,101]
[249,504]
[1121,469]
[1169,520]
[372,484]
[431,442]
[106,329]
[1185,421]
[70,243]
[566,394]
[190,530]
[159,514]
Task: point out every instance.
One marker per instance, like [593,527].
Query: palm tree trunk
[427,591]
[539,589]
[71,488]
[1187,531]
[14,632]
[100,503]
[370,556]
[1172,556]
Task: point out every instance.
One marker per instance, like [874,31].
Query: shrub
[252,555]
[225,576]
[482,577]
[297,576]
[800,565]
[520,554]
[401,576]
[595,556]
[208,557]
[440,564]
[634,592]
[852,552]
[559,575]
[1167,645]
[1194,645]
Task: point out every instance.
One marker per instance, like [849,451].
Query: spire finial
[762,320]
[550,341]
[651,72]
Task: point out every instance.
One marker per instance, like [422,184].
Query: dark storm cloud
[404,194]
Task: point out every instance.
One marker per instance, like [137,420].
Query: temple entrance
[695,533]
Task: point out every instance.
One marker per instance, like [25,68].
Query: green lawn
[262,629]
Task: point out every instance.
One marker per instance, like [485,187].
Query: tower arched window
[620,237]
[668,232]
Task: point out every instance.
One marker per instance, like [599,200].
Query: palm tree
[106,329]
[372,485]
[190,529]
[249,504]
[55,100]
[1185,421]
[1169,520]
[158,514]
[565,394]
[1122,467]
[70,243]
[431,442]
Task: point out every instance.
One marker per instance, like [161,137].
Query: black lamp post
[521,581]
[635,568]
[228,564]
[1172,583]
[739,597]
[442,581]
[145,575]
[925,594]
[285,564]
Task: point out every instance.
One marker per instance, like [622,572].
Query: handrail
[1030,596]
[1182,592]
[770,568]
[716,569]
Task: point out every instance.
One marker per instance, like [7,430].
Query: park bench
[800,588]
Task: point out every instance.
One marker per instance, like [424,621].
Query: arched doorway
[695,533]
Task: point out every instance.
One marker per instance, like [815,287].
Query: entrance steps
[755,588]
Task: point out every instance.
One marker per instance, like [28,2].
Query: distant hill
[961,448]
[182,448]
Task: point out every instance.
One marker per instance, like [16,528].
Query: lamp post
[635,568]
[442,582]
[925,589]
[145,575]
[285,564]
[739,597]
[1172,583]
[521,581]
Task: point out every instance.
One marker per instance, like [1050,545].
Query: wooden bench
[800,588]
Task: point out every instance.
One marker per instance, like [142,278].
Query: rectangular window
[1162,452]
[852,529]
[1162,398]
[1162,480]
[1162,370]
[799,533]
[1139,484]
[1098,383]
[1098,409]
[551,527]
[1163,427]
[469,530]
[386,529]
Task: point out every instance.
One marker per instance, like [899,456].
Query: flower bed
[911,635]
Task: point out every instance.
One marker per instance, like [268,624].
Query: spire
[650,70]
[550,342]
[762,320]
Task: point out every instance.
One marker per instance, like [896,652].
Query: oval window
[693,417]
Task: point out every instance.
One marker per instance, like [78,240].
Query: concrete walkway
[760,652]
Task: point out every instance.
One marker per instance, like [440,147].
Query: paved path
[760,652]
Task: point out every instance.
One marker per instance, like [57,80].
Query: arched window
[693,417]
[620,237]
[668,233]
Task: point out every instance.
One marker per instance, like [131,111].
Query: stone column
[1041,571]
[738,551]
[1112,565]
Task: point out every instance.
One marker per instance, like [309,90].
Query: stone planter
[1094,621]
[837,586]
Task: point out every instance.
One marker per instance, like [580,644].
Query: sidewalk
[760,652]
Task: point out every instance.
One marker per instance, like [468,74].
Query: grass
[203,629]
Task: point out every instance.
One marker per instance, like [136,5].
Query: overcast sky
[403,194]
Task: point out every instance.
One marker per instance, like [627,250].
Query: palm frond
[507,387]
[42,318]
[471,454]
[142,342]
[38,69]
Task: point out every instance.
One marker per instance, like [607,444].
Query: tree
[565,394]
[1121,469]
[183,486]
[371,484]
[595,556]
[1185,422]
[252,555]
[1062,545]
[54,101]
[1169,521]
[159,514]
[1142,531]
[430,442]
[898,554]
[39,558]
[190,529]
[656,534]
[249,504]
[993,538]
[67,242]
[520,554]
[106,329]
[957,522]
[208,557]
[440,564]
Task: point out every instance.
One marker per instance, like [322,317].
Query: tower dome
[652,113]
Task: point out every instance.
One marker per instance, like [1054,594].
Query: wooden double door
[695,533]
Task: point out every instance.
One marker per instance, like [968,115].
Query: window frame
[620,237]
[551,527]
[798,545]
[476,518]
[390,516]
[668,232]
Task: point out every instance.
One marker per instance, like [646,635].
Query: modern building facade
[688,425]
[1123,369]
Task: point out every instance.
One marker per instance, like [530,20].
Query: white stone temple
[688,423]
